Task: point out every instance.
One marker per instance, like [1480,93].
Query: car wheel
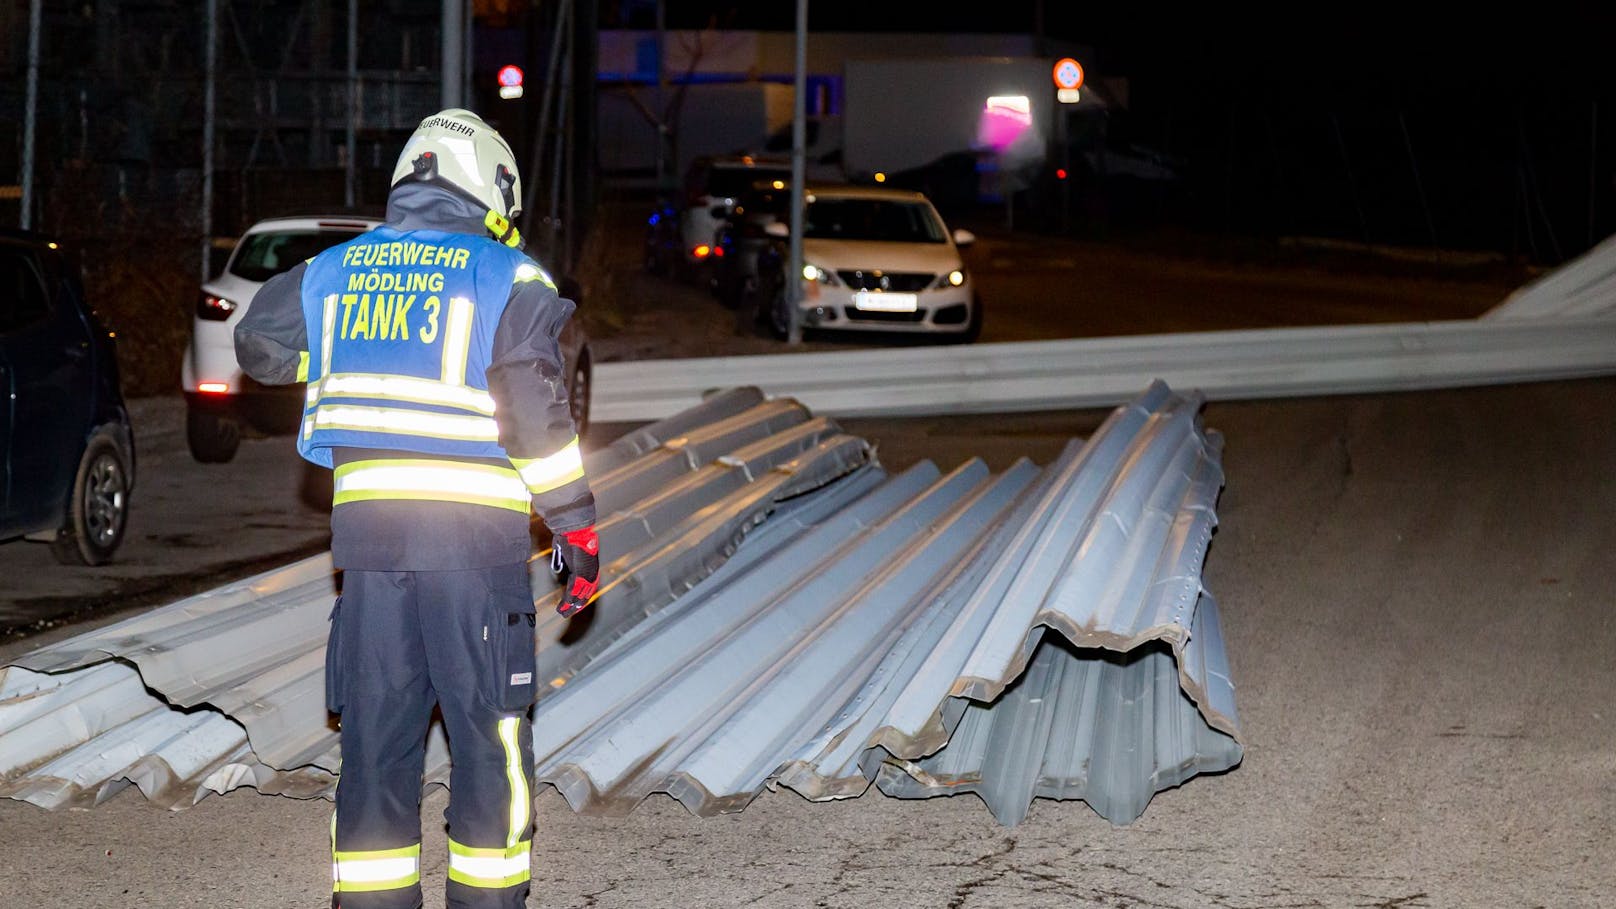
[213,438]
[99,509]
[578,394]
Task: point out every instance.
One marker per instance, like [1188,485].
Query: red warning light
[1060,173]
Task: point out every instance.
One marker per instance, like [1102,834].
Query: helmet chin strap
[502,229]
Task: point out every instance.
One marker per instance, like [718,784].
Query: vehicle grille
[875,315]
[901,281]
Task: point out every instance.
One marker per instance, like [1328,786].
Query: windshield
[264,255]
[872,219]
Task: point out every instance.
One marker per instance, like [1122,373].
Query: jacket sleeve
[527,378]
[272,343]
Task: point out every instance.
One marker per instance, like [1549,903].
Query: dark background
[1442,125]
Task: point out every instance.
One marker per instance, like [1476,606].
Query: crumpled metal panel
[784,613]
[860,644]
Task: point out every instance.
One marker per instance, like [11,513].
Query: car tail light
[701,252]
[213,388]
[214,309]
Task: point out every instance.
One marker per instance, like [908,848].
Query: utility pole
[350,192]
[793,281]
[453,53]
[32,106]
[212,57]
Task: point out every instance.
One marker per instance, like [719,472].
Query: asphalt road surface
[1416,603]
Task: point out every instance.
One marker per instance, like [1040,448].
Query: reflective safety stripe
[520,802]
[406,422]
[553,471]
[490,868]
[457,341]
[382,869]
[302,366]
[427,479]
[328,329]
[530,272]
[328,332]
[385,387]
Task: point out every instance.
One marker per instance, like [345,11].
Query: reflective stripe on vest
[406,422]
[378,387]
[427,479]
[381,869]
[551,472]
[457,341]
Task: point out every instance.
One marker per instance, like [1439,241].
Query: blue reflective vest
[401,329]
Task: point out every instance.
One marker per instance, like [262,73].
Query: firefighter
[435,394]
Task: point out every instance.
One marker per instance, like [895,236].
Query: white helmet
[457,149]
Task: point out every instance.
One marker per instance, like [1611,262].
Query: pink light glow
[1004,119]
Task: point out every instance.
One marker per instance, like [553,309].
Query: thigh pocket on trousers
[511,623]
[334,660]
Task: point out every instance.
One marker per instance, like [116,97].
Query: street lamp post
[793,282]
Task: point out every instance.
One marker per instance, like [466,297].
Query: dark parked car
[66,445]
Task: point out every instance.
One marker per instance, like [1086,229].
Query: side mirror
[963,237]
[779,229]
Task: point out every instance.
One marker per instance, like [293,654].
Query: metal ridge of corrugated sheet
[783,613]
[1018,376]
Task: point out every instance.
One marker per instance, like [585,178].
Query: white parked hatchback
[221,401]
[878,259]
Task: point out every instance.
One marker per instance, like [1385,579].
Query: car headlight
[812,272]
[954,278]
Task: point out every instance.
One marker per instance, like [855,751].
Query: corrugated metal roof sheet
[832,625]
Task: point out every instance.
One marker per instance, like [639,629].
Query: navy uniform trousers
[403,642]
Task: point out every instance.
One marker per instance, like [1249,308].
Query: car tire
[98,512]
[580,387]
[213,438]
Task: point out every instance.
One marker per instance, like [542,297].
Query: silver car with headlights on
[876,259]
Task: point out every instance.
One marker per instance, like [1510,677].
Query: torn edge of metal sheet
[831,653]
[244,662]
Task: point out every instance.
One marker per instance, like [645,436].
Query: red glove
[576,552]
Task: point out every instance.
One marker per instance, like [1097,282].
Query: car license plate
[881,302]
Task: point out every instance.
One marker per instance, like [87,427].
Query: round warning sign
[1068,73]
